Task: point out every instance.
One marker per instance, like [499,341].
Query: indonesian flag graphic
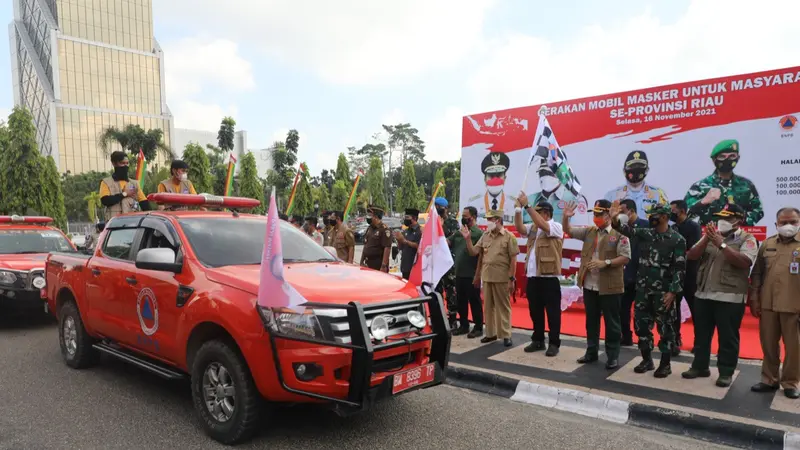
[433,255]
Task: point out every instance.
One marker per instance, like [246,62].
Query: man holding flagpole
[497,252]
[118,193]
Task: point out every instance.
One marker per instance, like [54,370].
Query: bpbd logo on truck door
[147,307]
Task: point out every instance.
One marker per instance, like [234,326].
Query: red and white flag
[433,255]
[273,290]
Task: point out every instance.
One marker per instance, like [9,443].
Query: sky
[336,71]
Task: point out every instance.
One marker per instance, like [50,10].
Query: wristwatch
[124,193]
[608,262]
[512,278]
[723,246]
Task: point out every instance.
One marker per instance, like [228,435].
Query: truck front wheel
[76,344]
[224,394]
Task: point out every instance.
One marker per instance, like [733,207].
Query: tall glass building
[81,66]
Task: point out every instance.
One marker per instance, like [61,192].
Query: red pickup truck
[174,293]
[25,242]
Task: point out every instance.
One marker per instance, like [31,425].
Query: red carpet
[573,323]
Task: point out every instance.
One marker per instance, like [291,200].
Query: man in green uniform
[377,241]
[710,195]
[447,285]
[662,266]
[465,265]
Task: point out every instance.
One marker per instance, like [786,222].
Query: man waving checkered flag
[547,152]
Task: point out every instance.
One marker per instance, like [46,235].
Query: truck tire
[75,342]
[224,393]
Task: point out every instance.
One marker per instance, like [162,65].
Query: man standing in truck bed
[118,193]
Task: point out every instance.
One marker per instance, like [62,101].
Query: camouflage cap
[731,210]
[659,209]
[726,146]
[494,213]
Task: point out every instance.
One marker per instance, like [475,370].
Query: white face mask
[788,230]
[491,226]
[549,184]
[623,219]
[184,176]
[495,190]
[724,226]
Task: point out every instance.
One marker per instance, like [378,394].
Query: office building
[82,66]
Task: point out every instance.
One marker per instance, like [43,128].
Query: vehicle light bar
[203,200]
[25,219]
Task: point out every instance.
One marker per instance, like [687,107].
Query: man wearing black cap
[543,267]
[635,169]
[494,167]
[726,253]
[603,257]
[408,241]
[377,241]
[310,228]
[297,221]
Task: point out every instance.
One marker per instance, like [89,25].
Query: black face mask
[466,222]
[635,175]
[121,173]
[654,221]
[407,222]
[440,211]
[332,222]
[673,217]
[369,220]
[725,166]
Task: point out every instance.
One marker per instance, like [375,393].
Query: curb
[665,420]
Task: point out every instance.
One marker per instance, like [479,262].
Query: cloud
[442,136]
[347,41]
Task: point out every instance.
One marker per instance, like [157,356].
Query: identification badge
[794,268]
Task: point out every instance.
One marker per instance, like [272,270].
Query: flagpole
[542,113]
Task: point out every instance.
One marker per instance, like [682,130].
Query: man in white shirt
[543,267]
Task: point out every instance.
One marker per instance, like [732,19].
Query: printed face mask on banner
[635,175]
[725,166]
[494,185]
[549,183]
[788,230]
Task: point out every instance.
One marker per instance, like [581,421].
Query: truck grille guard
[360,341]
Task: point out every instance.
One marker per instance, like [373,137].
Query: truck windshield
[220,242]
[19,242]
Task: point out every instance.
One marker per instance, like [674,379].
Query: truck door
[109,288]
[159,307]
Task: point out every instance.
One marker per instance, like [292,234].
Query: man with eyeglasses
[710,195]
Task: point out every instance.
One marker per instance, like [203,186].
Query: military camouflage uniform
[662,266]
[447,286]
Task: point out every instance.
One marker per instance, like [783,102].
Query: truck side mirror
[161,259]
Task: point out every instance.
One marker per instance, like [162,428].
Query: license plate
[412,378]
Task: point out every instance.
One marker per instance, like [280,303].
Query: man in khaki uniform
[326,230]
[341,238]
[178,183]
[603,257]
[775,284]
[118,193]
[497,252]
[725,253]
[377,241]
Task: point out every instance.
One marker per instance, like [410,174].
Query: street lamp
[316,208]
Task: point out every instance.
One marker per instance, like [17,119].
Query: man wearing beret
[377,241]
[662,266]
[635,188]
[494,167]
[726,253]
[722,187]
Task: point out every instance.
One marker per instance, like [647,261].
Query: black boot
[664,368]
[647,363]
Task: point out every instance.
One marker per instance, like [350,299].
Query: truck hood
[23,262]
[336,283]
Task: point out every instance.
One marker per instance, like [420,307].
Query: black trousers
[607,306]
[726,318]
[626,306]
[689,289]
[544,294]
[468,298]
[405,275]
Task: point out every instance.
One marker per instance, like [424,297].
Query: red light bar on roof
[26,219]
[203,200]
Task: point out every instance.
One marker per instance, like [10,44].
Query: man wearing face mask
[465,267]
[447,285]
[118,193]
[629,214]
[377,241]
[310,228]
[178,183]
[603,257]
[662,266]
[722,187]
[691,231]
[297,221]
[494,167]
[725,254]
[497,252]
[408,241]
[775,284]
[555,193]
[341,237]
[543,267]
[645,195]
[326,230]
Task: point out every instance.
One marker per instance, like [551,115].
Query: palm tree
[132,138]
[93,204]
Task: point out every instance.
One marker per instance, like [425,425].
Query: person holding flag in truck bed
[118,193]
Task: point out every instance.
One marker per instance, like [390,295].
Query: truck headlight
[39,283]
[417,319]
[7,277]
[379,328]
[292,323]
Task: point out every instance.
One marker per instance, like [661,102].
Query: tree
[93,205]
[303,198]
[408,193]
[339,195]
[20,165]
[282,174]
[77,188]
[226,134]
[51,201]
[375,185]
[359,157]
[249,184]
[199,168]
[405,139]
[293,141]
[326,179]
[343,170]
[322,197]
[132,138]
